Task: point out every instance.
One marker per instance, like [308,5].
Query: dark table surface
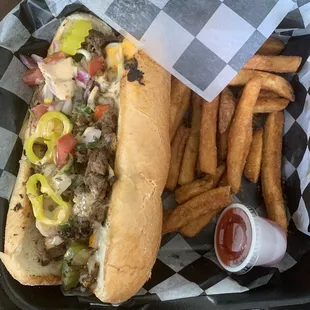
[6,6]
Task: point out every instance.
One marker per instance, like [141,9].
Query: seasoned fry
[267,94]
[195,188]
[272,46]
[240,134]
[270,105]
[263,94]
[187,171]
[207,202]
[207,148]
[254,159]
[248,142]
[270,81]
[179,103]
[177,151]
[190,190]
[226,109]
[223,181]
[271,169]
[279,64]
[196,226]
[222,145]
[198,171]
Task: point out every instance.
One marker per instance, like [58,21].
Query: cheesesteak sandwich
[86,208]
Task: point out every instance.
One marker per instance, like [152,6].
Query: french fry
[279,64]
[222,145]
[254,159]
[190,190]
[270,105]
[271,169]
[179,103]
[267,94]
[198,171]
[197,225]
[207,202]
[263,94]
[240,134]
[248,142]
[275,83]
[177,151]
[187,171]
[226,109]
[272,46]
[223,181]
[207,147]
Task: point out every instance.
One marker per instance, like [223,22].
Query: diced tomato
[99,111]
[54,57]
[40,109]
[96,64]
[33,77]
[65,145]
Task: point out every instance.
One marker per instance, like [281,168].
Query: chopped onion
[92,96]
[55,46]
[91,134]
[67,107]
[37,58]
[60,182]
[84,63]
[59,105]
[85,53]
[82,76]
[47,94]
[80,84]
[111,172]
[48,169]
[89,86]
[51,107]
[28,61]
[52,242]
[46,230]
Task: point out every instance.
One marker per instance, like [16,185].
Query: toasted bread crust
[141,166]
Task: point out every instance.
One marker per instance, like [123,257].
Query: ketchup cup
[243,240]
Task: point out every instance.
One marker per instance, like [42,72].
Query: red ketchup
[243,240]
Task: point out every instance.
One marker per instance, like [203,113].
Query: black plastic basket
[284,289]
[289,288]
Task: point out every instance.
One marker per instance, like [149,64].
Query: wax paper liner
[185,267]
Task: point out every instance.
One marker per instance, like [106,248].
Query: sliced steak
[108,124]
[97,41]
[97,185]
[98,162]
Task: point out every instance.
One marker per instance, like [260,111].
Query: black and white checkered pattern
[204,43]
[297,22]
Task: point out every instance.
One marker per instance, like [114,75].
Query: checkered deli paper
[203,43]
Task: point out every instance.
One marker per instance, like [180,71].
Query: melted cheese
[117,53]
[59,77]
[129,49]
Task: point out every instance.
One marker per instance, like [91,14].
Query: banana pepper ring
[59,215]
[48,134]
[50,142]
[43,130]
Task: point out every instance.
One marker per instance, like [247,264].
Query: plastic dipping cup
[243,240]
